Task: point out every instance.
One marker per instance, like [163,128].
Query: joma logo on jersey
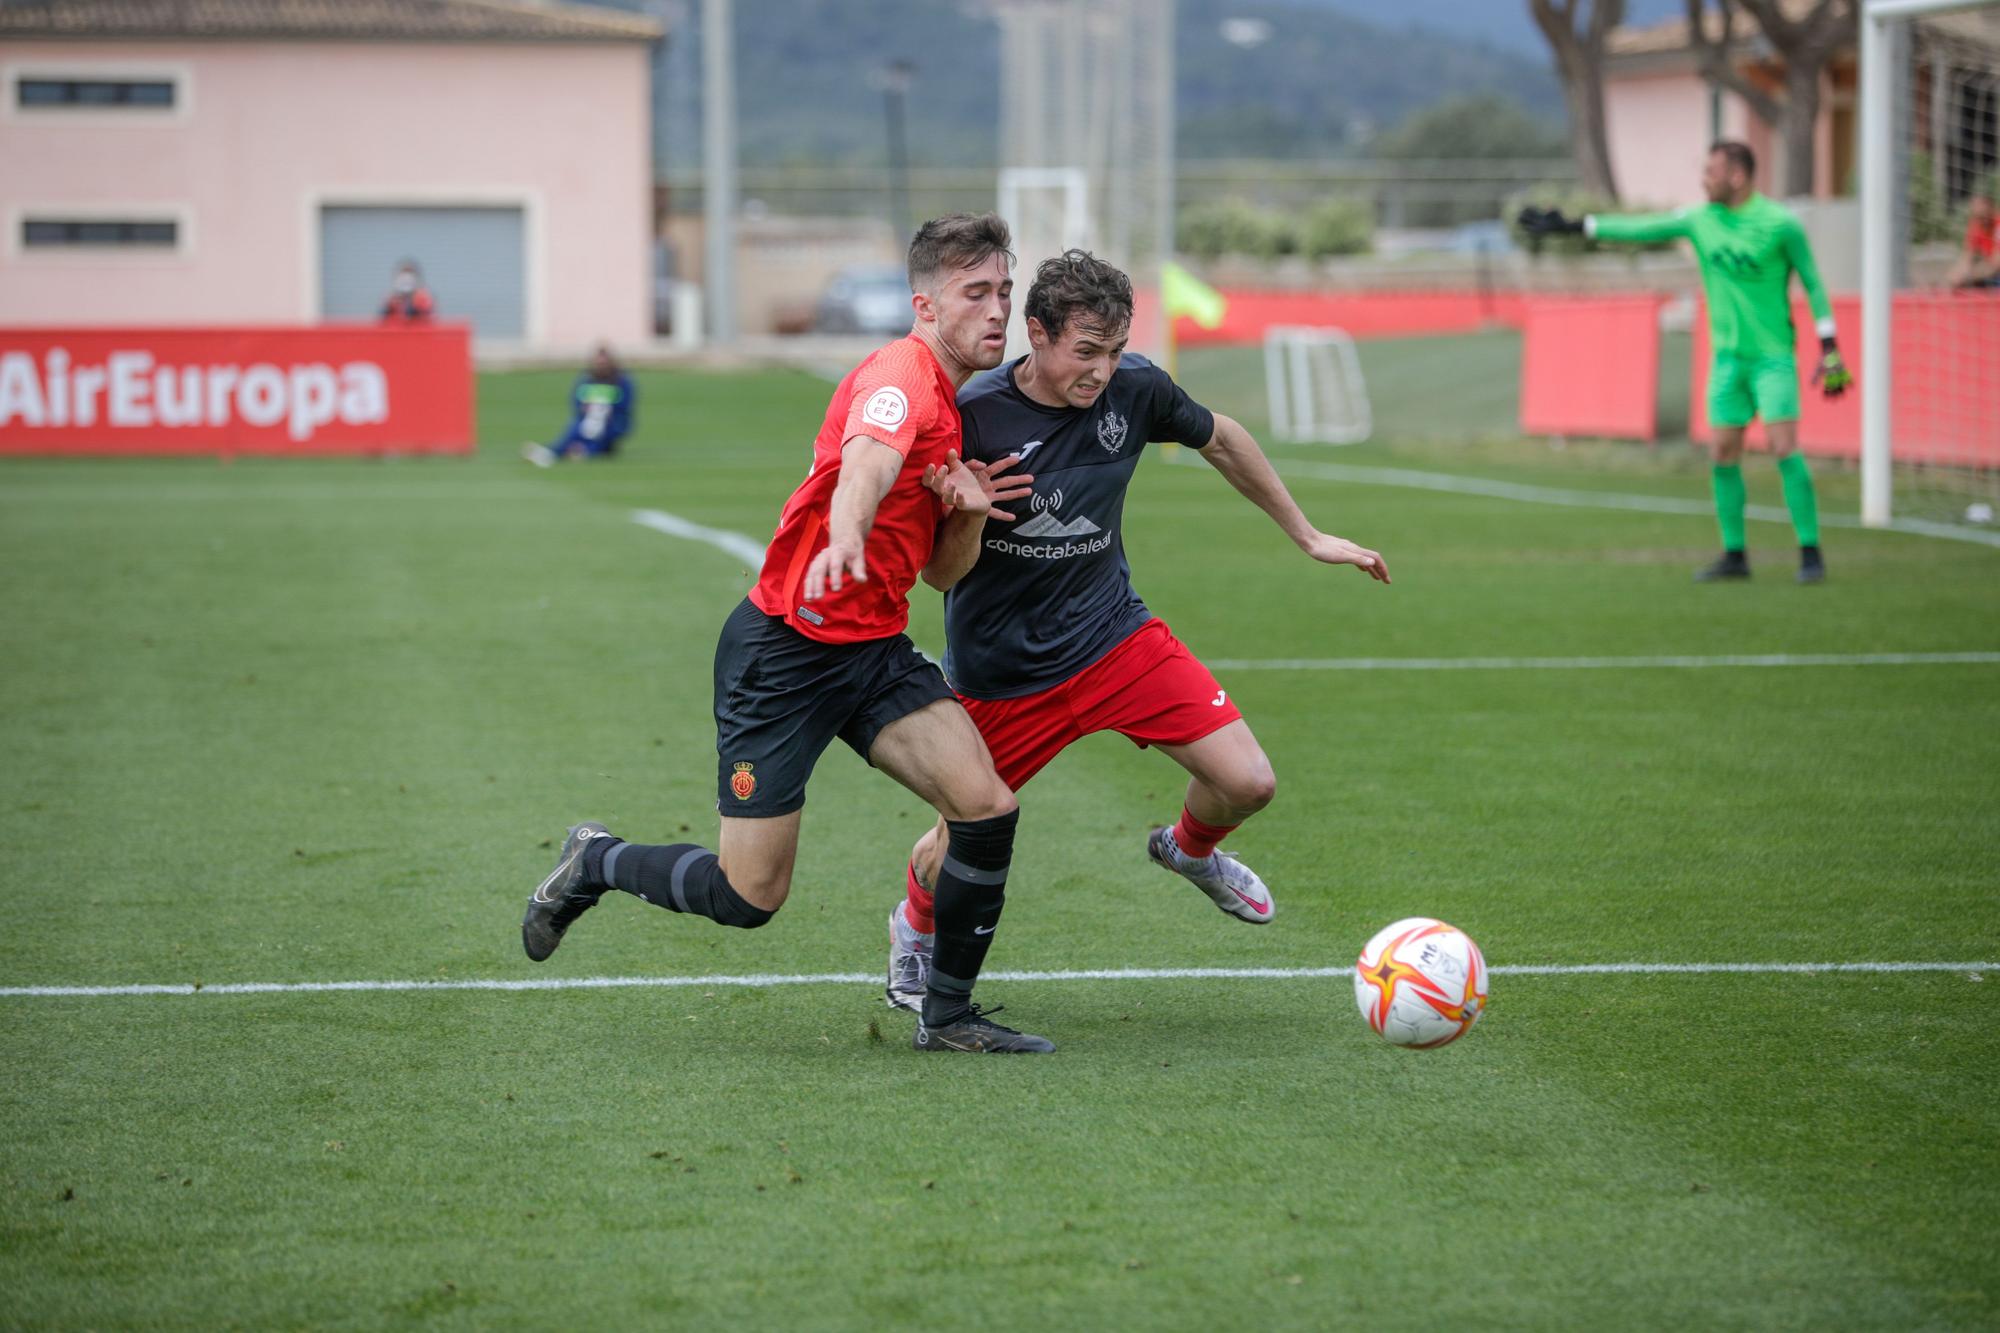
[1736,261]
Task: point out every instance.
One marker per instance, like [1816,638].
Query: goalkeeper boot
[976,1032]
[1812,566]
[1229,884]
[562,897]
[909,963]
[1731,565]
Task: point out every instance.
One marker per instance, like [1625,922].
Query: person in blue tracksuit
[601,403]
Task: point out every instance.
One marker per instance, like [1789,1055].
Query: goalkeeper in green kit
[1749,247]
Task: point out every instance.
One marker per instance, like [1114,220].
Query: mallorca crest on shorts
[1111,431]
[743,782]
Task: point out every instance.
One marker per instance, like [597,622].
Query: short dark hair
[1737,154]
[956,241]
[1077,282]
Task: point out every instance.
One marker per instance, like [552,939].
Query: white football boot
[909,963]
[1229,884]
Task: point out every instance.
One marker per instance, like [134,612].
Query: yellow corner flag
[1182,293]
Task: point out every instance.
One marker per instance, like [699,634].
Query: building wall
[268,132]
[1660,126]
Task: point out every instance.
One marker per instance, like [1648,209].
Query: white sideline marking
[1597,663]
[732,543]
[756,979]
[1410,478]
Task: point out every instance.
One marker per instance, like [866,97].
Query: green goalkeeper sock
[1799,498]
[1727,478]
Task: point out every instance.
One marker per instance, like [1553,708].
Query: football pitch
[286,724]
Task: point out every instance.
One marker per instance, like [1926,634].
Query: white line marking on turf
[757,979]
[1598,663]
[1410,478]
[732,543]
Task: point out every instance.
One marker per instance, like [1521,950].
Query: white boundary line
[760,979]
[1411,479]
[1598,663]
[731,543]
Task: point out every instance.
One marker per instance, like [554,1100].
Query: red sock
[917,907]
[1197,839]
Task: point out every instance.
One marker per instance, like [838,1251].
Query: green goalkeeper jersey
[1748,255]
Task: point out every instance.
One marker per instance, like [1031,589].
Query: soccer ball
[1420,983]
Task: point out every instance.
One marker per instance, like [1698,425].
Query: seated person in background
[409,301]
[600,414]
[1978,264]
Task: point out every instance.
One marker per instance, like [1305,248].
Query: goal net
[1086,140]
[1930,355]
[1312,381]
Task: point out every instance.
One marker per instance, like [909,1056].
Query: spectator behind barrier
[409,301]
[1978,263]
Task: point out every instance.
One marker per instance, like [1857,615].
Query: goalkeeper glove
[1539,222]
[1832,375]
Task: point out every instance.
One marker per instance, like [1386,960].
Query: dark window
[94,92]
[56,233]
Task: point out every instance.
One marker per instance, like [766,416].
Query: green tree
[1471,127]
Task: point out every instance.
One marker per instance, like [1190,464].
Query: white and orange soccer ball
[1420,983]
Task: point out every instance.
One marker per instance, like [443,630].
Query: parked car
[865,298]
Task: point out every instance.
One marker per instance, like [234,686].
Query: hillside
[1322,84]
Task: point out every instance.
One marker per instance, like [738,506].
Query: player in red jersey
[817,650]
[1046,641]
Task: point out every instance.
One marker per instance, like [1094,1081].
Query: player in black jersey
[1046,641]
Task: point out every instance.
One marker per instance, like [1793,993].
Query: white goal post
[1884,48]
[1313,385]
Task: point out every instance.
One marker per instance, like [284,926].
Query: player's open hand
[831,567]
[1832,375]
[1331,550]
[974,487]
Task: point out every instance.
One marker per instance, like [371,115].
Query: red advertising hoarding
[1590,366]
[329,389]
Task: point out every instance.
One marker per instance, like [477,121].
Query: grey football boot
[562,897]
[1229,884]
[909,963]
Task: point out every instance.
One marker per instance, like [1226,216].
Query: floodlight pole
[718,165]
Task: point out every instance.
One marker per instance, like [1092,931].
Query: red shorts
[1149,689]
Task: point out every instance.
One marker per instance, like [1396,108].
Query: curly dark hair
[1075,283]
[956,241]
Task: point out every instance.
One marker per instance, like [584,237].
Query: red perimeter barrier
[333,389]
[1591,366]
[1946,403]
[1361,314]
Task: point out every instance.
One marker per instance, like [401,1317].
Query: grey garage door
[474,261]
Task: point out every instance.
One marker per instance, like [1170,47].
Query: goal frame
[1880,51]
[1288,385]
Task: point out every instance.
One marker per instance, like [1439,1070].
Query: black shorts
[781,698]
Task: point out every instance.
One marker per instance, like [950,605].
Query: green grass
[318,721]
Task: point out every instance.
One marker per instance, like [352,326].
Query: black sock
[971,889]
[680,877]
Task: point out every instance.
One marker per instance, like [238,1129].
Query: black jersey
[1051,592]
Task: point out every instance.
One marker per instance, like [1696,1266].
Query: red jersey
[902,397]
[1982,241]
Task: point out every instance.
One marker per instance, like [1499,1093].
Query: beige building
[226,162]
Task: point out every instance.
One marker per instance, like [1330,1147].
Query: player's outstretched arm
[1235,454]
[1637,228]
[972,492]
[868,468]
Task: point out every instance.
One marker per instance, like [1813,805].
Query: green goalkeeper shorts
[1742,387]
